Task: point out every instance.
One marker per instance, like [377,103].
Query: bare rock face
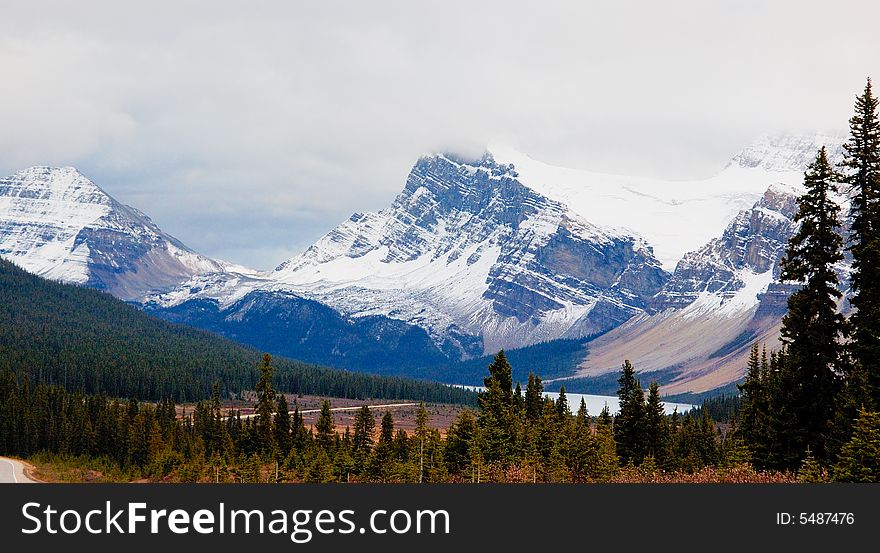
[753,243]
[520,268]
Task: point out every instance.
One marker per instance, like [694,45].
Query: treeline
[814,402]
[87,341]
[514,436]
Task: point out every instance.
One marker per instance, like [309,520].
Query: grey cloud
[267,123]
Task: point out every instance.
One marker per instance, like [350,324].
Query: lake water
[595,403]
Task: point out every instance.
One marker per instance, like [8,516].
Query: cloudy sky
[248,129]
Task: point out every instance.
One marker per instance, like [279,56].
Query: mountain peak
[57,223]
[486,162]
[37,170]
[788,151]
[52,184]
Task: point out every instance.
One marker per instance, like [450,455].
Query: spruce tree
[265,405]
[629,425]
[421,434]
[734,451]
[383,458]
[811,472]
[298,431]
[518,401]
[582,450]
[859,459]
[534,398]
[458,444]
[861,166]
[607,463]
[658,444]
[605,418]
[752,422]
[813,328]
[562,408]
[282,427]
[496,410]
[362,441]
[325,428]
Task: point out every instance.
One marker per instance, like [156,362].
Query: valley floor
[440,416]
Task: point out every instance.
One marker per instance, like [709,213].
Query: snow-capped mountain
[466,246]
[467,250]
[506,251]
[748,251]
[726,295]
[721,299]
[471,256]
[676,217]
[58,224]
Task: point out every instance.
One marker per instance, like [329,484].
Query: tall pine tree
[283,439]
[362,441]
[629,426]
[534,398]
[753,420]
[813,328]
[496,410]
[658,440]
[265,406]
[325,428]
[861,167]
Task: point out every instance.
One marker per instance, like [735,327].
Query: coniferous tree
[218,434]
[282,427]
[562,409]
[811,472]
[362,440]
[496,410]
[708,443]
[859,459]
[421,434]
[605,417]
[343,457]
[658,442]
[534,398]
[629,425]
[752,423]
[734,451]
[813,328]
[265,405]
[582,446]
[325,428]
[518,401]
[861,167]
[383,458]
[459,441]
[298,433]
[607,459]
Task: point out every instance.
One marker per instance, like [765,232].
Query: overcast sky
[249,129]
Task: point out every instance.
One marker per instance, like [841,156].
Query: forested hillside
[85,340]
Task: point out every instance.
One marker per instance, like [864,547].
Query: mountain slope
[675,217]
[58,224]
[466,252]
[86,340]
[505,251]
[287,324]
[721,299]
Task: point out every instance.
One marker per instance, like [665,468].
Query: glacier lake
[596,403]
